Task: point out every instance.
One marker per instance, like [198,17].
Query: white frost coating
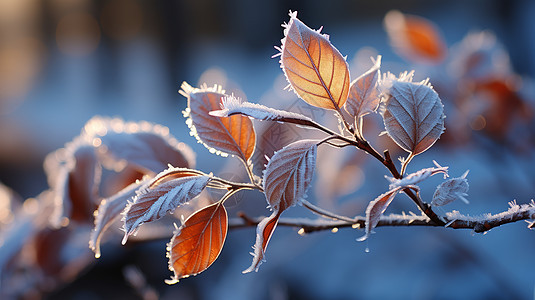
[416,177]
[232,105]
[156,200]
[375,210]
[288,174]
[451,190]
[109,209]
[514,209]
[261,241]
[413,113]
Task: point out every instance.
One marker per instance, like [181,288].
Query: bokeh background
[65,61]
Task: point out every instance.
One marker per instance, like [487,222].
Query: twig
[478,224]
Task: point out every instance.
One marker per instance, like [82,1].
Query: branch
[453,219]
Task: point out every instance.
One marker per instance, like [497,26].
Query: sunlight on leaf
[157,200]
[316,70]
[415,38]
[146,146]
[264,231]
[363,95]
[229,135]
[198,242]
[413,114]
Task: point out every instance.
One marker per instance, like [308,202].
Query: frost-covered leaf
[413,115]
[228,135]
[198,242]
[288,174]
[363,94]
[415,38]
[108,211]
[233,106]
[149,147]
[451,190]
[375,210]
[264,231]
[74,176]
[162,196]
[316,70]
[416,177]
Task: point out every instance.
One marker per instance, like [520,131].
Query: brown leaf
[228,135]
[264,231]
[375,210]
[316,70]
[289,173]
[74,176]
[363,95]
[161,196]
[413,115]
[415,38]
[198,242]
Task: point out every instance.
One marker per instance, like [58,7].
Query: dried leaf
[108,211]
[375,210]
[162,196]
[229,135]
[74,174]
[288,174]
[451,190]
[149,147]
[264,231]
[415,38]
[416,177]
[363,95]
[413,115]
[198,242]
[316,70]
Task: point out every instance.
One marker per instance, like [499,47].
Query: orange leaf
[264,231]
[415,38]
[198,242]
[229,135]
[316,70]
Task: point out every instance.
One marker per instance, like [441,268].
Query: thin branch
[454,220]
[324,213]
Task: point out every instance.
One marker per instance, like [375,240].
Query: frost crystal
[451,190]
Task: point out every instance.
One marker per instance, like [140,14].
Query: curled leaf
[375,210]
[264,231]
[316,70]
[413,115]
[289,173]
[227,135]
[74,175]
[451,190]
[108,211]
[160,197]
[198,242]
[363,94]
[233,106]
[415,38]
[416,177]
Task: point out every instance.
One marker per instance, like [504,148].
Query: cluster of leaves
[138,173]
[413,116]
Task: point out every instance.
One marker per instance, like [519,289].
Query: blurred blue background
[62,62]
